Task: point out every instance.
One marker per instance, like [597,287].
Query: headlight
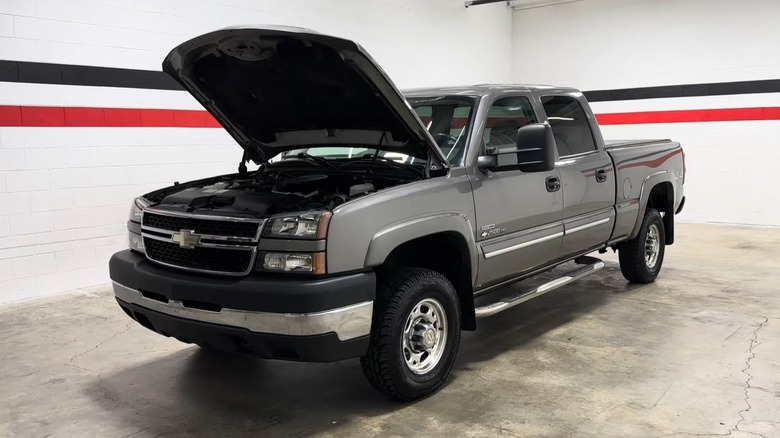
[313,263]
[137,209]
[134,239]
[299,226]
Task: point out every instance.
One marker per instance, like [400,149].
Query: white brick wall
[33,265]
[59,225]
[65,192]
[14,203]
[12,160]
[51,200]
[27,180]
[30,223]
[6,26]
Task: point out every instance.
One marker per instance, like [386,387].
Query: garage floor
[696,353]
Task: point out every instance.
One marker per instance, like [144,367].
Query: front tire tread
[393,294]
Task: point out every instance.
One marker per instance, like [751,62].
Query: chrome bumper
[348,322]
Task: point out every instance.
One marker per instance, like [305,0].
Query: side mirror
[535,150]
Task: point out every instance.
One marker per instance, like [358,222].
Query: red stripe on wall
[49,116]
[688,116]
[43,116]
[10,116]
[160,118]
[46,116]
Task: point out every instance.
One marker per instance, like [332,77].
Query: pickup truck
[374,219]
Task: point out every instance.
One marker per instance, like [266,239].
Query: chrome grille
[234,261]
[229,228]
[217,245]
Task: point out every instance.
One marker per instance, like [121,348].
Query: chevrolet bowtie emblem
[186,239]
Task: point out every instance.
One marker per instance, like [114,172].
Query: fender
[644,195]
[392,236]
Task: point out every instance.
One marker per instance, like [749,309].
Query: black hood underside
[278,89]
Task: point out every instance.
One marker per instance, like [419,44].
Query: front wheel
[641,257]
[415,334]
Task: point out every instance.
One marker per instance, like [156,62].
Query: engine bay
[277,189]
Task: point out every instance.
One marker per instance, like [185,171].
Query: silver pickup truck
[375,219]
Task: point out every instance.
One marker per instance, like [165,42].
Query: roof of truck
[481,89]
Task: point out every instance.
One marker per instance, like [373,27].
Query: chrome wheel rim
[425,336]
[652,246]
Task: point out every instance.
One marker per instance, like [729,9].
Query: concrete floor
[696,353]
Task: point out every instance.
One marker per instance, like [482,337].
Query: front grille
[202,258]
[201,226]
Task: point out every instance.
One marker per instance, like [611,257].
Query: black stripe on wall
[688,90]
[65,74]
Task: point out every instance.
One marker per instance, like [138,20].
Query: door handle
[553,183]
[601,175]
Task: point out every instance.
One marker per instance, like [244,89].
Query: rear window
[569,125]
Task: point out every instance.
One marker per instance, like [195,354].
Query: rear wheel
[415,334]
[641,258]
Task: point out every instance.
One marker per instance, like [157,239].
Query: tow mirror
[535,150]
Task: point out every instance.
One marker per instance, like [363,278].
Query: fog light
[135,242]
[295,262]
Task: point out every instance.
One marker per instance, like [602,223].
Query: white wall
[418,42]
[65,191]
[610,44]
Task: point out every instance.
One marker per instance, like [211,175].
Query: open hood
[281,88]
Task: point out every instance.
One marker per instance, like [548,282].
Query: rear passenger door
[518,218]
[586,173]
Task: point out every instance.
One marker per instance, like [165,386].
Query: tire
[637,262]
[405,358]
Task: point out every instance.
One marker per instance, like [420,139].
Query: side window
[505,117]
[447,121]
[569,125]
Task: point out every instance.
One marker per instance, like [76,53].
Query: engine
[267,193]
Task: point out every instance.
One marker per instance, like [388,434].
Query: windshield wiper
[394,163]
[317,160]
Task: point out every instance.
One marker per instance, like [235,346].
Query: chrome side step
[591,265]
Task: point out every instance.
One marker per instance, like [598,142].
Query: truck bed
[640,163]
[611,144]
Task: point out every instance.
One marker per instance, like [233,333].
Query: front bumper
[281,318]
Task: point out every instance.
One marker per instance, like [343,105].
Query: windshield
[447,118]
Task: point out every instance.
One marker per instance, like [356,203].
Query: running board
[591,265]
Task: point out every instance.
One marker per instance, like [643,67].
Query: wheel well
[662,199]
[446,253]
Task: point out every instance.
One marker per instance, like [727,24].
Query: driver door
[518,214]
